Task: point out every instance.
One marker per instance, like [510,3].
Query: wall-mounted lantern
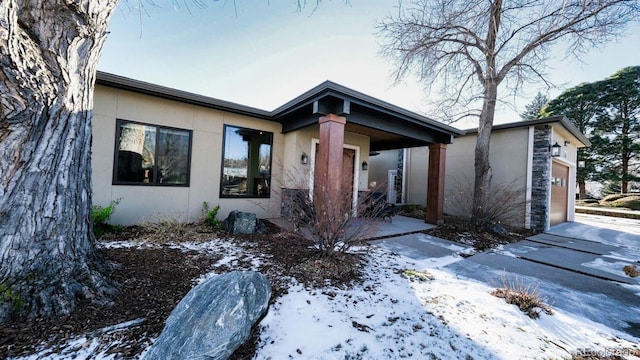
[304,159]
[555,149]
[365,166]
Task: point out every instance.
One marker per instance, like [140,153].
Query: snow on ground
[389,316]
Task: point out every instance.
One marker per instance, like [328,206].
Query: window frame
[224,144]
[116,150]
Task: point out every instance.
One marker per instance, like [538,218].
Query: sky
[264,53]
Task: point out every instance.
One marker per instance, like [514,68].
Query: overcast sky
[263,53]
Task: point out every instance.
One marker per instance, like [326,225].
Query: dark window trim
[224,145]
[116,147]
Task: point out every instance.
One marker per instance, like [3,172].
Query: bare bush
[502,204]
[167,228]
[631,270]
[333,222]
[526,297]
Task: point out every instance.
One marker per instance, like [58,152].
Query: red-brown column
[435,183]
[328,167]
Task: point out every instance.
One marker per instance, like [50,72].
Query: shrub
[209,215]
[167,228]
[629,202]
[503,204]
[612,198]
[631,270]
[525,297]
[100,215]
[330,220]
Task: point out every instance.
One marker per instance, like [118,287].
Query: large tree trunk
[482,183]
[49,51]
[582,189]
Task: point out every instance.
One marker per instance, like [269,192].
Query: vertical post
[328,168]
[435,184]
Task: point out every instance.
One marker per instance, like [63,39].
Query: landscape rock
[239,222]
[214,318]
[498,229]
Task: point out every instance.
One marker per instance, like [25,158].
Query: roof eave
[124,83]
[573,130]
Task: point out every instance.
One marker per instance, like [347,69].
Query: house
[163,152]
[533,169]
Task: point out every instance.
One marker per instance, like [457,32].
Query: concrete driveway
[575,267]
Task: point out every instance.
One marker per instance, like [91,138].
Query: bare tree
[474,46]
[49,52]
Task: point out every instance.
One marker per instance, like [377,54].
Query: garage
[559,193]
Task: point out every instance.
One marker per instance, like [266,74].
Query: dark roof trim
[329,88]
[121,82]
[561,119]
[325,89]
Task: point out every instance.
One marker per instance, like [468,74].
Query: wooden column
[435,184]
[328,168]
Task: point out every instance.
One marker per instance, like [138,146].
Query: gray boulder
[214,319]
[239,222]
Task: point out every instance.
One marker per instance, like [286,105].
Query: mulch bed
[457,230]
[152,281]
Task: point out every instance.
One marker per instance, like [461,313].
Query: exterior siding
[144,203]
[508,159]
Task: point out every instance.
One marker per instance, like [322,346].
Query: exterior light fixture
[555,149]
[365,166]
[304,159]
[567,142]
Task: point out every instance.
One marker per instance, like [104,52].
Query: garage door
[559,193]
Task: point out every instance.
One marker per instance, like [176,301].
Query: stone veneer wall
[541,179]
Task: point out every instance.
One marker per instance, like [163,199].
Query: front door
[348,171]
[348,167]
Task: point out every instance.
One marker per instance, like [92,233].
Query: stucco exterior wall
[380,165]
[139,203]
[508,158]
[416,175]
[297,175]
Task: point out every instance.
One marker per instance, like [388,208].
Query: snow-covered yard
[389,316]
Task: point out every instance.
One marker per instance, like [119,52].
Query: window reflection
[148,154]
[246,162]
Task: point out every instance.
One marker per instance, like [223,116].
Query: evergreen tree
[618,123]
[580,105]
[533,109]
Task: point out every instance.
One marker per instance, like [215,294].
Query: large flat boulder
[214,319]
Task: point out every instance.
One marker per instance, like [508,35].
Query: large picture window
[151,155]
[246,163]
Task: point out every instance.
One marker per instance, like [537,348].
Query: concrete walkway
[575,267]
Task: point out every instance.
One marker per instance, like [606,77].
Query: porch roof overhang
[387,126]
